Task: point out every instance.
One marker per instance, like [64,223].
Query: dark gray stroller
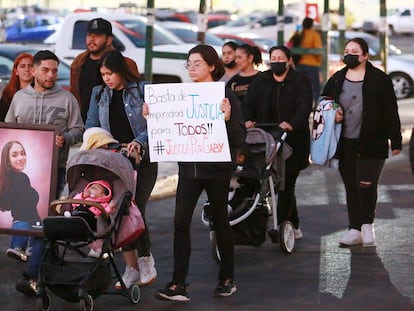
[66,270]
[253,192]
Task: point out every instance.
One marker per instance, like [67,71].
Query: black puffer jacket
[380,119]
[268,101]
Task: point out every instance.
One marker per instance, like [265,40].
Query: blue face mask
[351,60]
[278,68]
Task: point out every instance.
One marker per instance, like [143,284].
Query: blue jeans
[20,241]
[39,244]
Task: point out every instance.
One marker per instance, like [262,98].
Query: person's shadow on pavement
[369,286]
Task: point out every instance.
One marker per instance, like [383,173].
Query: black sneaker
[175,292]
[225,289]
[27,286]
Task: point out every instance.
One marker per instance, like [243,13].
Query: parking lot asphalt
[318,275]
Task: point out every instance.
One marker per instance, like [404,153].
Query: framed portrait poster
[28,176]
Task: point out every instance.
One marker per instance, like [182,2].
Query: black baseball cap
[99,26]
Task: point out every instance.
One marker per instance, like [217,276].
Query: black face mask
[351,60]
[230,65]
[279,68]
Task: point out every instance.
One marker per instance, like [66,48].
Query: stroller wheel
[287,237]
[86,304]
[214,249]
[44,302]
[134,294]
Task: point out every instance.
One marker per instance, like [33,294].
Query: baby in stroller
[65,269]
[98,191]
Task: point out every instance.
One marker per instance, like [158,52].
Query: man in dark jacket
[84,72]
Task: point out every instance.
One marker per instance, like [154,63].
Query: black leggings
[188,192]
[361,178]
[286,204]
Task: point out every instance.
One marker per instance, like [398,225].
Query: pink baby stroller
[66,270]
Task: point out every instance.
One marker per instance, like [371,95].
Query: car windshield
[136,31]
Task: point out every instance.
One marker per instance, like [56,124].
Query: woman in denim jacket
[116,106]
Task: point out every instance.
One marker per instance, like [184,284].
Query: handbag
[131,227]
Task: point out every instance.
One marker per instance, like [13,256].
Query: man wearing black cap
[84,69]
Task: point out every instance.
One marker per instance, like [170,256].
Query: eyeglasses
[196,65]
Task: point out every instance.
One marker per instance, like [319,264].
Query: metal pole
[149,39]
[202,22]
[326,26]
[280,24]
[383,33]
[341,25]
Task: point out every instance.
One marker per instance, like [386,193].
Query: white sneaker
[130,277]
[368,235]
[17,253]
[298,234]
[352,237]
[147,270]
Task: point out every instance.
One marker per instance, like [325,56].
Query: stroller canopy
[100,164]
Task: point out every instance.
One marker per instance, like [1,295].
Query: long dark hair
[283,48]
[252,50]
[115,61]
[361,42]
[5,166]
[210,56]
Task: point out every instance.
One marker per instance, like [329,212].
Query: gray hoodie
[55,106]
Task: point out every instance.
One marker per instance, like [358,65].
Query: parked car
[263,25]
[9,52]
[129,37]
[263,43]
[400,67]
[31,28]
[188,33]
[401,21]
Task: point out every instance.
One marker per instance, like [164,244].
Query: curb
[165,187]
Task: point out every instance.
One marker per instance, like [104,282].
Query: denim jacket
[133,97]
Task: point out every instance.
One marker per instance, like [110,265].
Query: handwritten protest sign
[185,122]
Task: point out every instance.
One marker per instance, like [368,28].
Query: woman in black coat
[370,122]
[283,96]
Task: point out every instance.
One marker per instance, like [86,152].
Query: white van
[129,37]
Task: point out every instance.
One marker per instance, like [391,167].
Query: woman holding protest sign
[204,65]
[116,106]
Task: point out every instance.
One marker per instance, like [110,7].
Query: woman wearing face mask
[228,57]
[370,120]
[283,96]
